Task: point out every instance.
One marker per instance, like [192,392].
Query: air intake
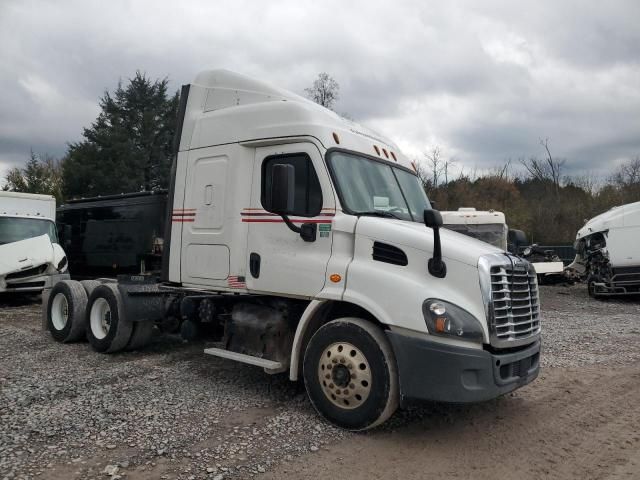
[383,252]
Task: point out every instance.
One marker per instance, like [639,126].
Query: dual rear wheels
[94,311]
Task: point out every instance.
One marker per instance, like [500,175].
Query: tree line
[128,148]
[534,194]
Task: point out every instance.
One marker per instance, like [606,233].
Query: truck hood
[617,217]
[455,246]
[25,254]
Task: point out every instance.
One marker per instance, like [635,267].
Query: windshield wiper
[378,213]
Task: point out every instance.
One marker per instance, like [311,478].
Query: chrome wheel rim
[344,375]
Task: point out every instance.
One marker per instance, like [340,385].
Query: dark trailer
[112,235]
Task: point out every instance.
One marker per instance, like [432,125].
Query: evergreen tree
[128,147]
[39,175]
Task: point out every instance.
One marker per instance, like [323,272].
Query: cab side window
[307,196]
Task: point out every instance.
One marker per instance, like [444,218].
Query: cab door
[280,261]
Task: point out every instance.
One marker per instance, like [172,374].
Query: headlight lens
[446,319]
[62,264]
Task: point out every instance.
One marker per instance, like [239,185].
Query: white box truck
[306,242]
[608,252]
[30,257]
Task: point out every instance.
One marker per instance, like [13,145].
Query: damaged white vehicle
[30,257]
[608,252]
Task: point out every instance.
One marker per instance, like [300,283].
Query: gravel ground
[170,412]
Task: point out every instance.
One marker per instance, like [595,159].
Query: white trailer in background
[305,243]
[30,257]
[608,251]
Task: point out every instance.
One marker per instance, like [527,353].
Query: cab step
[270,366]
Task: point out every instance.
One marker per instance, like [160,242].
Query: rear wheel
[108,329]
[66,311]
[350,374]
[90,286]
[141,335]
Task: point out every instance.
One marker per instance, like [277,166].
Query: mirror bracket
[307,231]
[436,265]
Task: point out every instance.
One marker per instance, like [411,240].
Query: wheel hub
[60,311]
[100,318]
[345,375]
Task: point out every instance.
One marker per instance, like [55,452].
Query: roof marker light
[375,147]
[413,165]
[336,138]
[386,154]
[394,156]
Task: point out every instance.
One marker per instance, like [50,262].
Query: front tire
[350,374]
[66,311]
[108,329]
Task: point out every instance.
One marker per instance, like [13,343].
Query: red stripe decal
[266,214]
[183,220]
[276,220]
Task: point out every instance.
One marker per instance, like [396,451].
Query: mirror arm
[436,266]
[290,224]
[307,230]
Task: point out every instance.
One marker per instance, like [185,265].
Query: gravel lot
[170,412]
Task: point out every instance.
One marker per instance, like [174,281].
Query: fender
[312,309]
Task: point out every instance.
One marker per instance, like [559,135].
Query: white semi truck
[608,252]
[308,244]
[30,257]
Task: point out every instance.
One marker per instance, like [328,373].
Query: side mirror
[516,238]
[433,220]
[281,199]
[282,188]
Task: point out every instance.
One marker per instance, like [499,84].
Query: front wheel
[350,374]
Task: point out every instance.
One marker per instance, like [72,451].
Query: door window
[307,196]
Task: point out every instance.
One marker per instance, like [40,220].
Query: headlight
[445,319]
[62,264]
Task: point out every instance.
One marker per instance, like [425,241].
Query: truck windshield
[14,229]
[369,187]
[493,233]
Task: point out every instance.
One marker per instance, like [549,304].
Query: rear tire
[90,286]
[141,335]
[108,329]
[66,311]
[350,374]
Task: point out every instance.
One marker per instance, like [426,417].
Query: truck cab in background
[306,244]
[608,252]
[491,227]
[488,226]
[30,257]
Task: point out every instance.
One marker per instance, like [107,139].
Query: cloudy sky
[484,81]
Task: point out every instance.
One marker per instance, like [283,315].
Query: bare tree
[548,168]
[435,164]
[325,90]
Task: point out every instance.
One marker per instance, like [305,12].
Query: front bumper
[439,372]
[32,284]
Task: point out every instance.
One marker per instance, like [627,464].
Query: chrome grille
[511,298]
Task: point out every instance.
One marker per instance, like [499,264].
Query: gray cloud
[483,81]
